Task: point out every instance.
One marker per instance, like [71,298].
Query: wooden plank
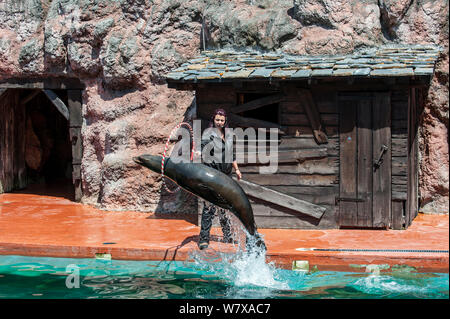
[2,91]
[75,123]
[291,223]
[2,143]
[306,131]
[52,83]
[301,119]
[264,208]
[290,156]
[75,108]
[291,143]
[412,187]
[399,124]
[364,163]
[398,196]
[308,143]
[326,100]
[287,222]
[399,189]
[292,179]
[76,141]
[399,147]
[30,96]
[57,102]
[348,159]
[320,195]
[252,105]
[272,196]
[398,219]
[399,180]
[314,117]
[20,173]
[323,166]
[224,95]
[293,107]
[381,116]
[268,215]
[399,166]
[307,190]
[8,142]
[400,110]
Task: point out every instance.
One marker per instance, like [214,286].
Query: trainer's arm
[236,169]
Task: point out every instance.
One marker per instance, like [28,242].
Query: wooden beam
[42,83]
[62,108]
[30,96]
[314,118]
[271,99]
[269,195]
[2,91]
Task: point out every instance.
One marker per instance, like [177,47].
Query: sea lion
[211,185]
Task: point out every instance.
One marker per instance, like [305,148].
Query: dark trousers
[209,211]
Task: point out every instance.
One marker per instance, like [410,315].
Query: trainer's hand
[238,174]
[197,154]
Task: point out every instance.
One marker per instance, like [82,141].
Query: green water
[36,277]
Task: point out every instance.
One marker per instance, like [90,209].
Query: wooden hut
[347,146]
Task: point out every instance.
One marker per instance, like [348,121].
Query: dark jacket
[216,161]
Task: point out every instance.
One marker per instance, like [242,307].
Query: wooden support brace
[313,116]
[2,91]
[61,107]
[30,96]
[272,196]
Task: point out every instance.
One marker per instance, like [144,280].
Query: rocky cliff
[121,50]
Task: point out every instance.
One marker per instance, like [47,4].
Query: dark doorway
[38,144]
[49,165]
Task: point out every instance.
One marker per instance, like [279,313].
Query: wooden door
[365,160]
[12,142]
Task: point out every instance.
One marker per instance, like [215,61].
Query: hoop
[165,151]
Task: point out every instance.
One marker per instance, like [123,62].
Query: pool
[205,275]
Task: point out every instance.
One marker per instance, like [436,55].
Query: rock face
[121,50]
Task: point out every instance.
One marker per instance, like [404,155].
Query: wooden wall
[314,175]
[12,142]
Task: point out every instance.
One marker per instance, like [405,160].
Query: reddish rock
[121,50]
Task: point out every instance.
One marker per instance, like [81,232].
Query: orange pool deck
[39,225]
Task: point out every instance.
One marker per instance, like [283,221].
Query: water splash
[390,285]
[245,267]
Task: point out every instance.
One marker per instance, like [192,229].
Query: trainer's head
[219,119]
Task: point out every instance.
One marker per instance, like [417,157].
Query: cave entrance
[40,141]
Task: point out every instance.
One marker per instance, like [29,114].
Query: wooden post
[20,170]
[412,186]
[75,123]
[62,108]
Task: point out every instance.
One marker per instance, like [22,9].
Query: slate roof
[386,61]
